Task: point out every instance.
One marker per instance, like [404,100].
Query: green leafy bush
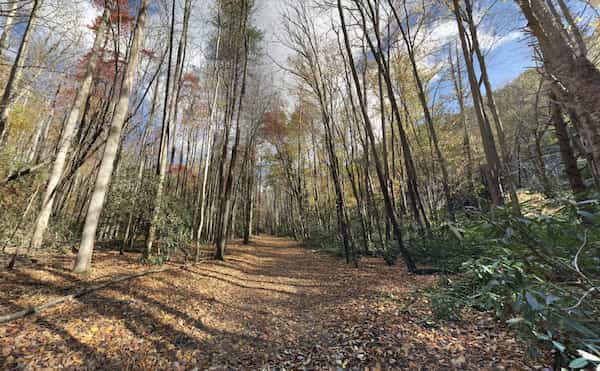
[446,247]
[541,274]
[173,230]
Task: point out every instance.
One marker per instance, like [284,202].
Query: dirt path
[271,304]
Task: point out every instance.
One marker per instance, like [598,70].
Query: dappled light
[272,303]
[300,184]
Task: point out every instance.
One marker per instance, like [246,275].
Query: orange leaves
[273,128]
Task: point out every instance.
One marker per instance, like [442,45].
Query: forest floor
[272,304]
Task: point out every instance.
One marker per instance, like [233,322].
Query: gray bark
[16,72]
[66,138]
[84,255]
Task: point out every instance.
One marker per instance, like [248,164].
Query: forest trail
[270,304]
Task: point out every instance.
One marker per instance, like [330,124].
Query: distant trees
[311,69]
[377,49]
[384,71]
[379,136]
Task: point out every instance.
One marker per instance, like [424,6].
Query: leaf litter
[271,305]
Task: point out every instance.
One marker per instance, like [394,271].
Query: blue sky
[501,32]
[508,54]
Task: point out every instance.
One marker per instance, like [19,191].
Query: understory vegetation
[538,273]
[453,138]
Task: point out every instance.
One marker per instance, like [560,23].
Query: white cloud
[446,31]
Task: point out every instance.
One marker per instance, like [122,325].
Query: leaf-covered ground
[271,305]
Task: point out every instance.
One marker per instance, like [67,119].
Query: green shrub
[541,274]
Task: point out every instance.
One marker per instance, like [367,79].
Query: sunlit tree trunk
[493,167]
[204,201]
[16,71]
[84,255]
[249,198]
[66,138]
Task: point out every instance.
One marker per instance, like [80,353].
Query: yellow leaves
[89,336]
[23,118]
[165,316]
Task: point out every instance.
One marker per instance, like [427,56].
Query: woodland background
[167,128]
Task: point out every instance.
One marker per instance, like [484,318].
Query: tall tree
[389,209]
[68,131]
[169,118]
[84,255]
[491,103]
[240,46]
[16,70]
[457,80]
[409,41]
[311,70]
[567,65]
[566,150]
[493,167]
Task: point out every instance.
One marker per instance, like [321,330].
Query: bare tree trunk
[458,89]
[163,160]
[383,68]
[249,200]
[84,255]
[179,64]
[36,138]
[10,17]
[129,236]
[210,142]
[409,42]
[505,164]
[493,167]
[340,201]
[410,265]
[571,70]
[566,151]
[223,212]
[66,138]
[16,71]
